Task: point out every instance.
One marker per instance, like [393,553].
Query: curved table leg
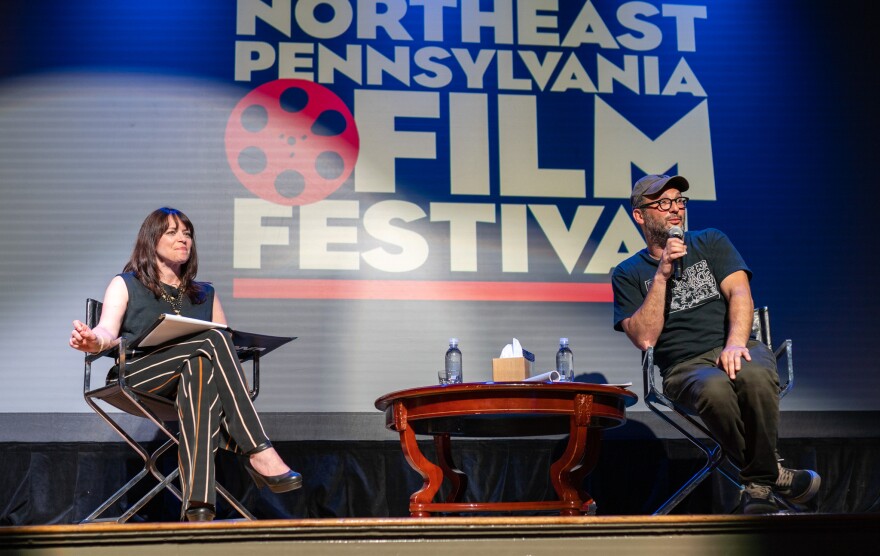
[588,463]
[575,463]
[561,470]
[432,474]
[456,476]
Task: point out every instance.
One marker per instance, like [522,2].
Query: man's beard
[656,232]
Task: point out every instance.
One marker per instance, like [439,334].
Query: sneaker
[758,499]
[797,485]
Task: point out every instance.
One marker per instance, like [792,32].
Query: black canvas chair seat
[162,408]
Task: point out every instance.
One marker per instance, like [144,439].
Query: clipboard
[168,327]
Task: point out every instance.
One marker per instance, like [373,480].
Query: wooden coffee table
[504,409]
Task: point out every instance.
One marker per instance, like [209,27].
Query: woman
[200,372]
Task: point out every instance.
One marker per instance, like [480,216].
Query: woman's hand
[85,339]
[105,335]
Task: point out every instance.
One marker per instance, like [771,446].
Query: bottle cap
[563,341]
[453,342]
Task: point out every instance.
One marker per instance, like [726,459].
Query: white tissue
[512,350]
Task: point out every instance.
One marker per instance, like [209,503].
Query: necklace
[176,304]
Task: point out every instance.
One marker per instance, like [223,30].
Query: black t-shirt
[697,317]
[144,307]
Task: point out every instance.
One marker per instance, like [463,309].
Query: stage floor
[483,536]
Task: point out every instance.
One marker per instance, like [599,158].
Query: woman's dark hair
[143,257]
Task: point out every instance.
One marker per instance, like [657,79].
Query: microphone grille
[675,231]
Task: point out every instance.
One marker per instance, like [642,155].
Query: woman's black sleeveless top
[144,308]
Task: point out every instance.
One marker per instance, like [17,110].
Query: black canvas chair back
[693,429]
[160,411]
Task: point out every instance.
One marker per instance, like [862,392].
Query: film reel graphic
[291,142]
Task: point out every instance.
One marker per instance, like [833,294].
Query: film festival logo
[292,142]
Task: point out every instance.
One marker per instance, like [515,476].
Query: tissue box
[511,369]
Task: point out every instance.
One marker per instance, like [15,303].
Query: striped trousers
[203,375]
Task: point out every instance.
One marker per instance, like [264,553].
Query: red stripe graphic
[272,288]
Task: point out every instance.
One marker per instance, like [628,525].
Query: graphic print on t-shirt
[696,287]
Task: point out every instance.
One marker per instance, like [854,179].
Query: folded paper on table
[549,376]
[618,384]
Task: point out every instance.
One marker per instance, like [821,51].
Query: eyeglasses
[666,204]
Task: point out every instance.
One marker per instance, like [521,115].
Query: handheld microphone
[677,264]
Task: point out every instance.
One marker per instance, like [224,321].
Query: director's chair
[158,410]
[680,418]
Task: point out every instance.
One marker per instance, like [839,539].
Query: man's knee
[714,390]
[757,380]
[706,390]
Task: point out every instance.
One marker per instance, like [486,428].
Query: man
[699,326]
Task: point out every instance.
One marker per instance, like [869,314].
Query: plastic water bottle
[565,361]
[453,362]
